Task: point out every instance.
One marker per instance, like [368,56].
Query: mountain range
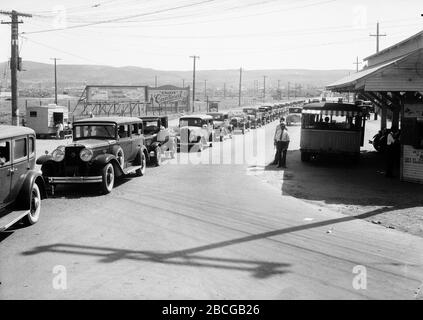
[41,75]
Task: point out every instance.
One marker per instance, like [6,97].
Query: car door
[125,141]
[5,171]
[20,164]
[136,139]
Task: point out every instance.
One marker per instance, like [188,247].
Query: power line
[124,18]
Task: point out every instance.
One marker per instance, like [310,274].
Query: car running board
[131,169]
[11,218]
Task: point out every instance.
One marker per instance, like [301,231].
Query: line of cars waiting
[106,148]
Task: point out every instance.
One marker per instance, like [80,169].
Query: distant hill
[42,75]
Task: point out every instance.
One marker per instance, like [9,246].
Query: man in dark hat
[281,141]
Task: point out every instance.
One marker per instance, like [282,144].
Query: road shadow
[353,187]
[258,269]
[191,256]
[5,234]
[341,182]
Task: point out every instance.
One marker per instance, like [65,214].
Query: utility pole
[357,63]
[289,84]
[183,83]
[239,94]
[224,90]
[155,81]
[377,35]
[205,89]
[193,82]
[15,60]
[55,79]
[279,90]
[264,88]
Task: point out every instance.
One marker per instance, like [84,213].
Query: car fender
[24,196]
[43,159]
[101,160]
[155,144]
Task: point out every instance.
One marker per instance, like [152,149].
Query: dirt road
[208,226]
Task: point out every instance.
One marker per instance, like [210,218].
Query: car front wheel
[158,156]
[35,206]
[141,171]
[108,178]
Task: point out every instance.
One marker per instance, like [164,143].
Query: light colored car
[195,131]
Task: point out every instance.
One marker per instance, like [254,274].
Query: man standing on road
[281,141]
[390,153]
[59,130]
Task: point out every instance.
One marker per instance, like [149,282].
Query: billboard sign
[98,94]
[168,95]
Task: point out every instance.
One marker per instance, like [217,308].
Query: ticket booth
[43,119]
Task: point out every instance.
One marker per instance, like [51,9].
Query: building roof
[396,45]
[359,80]
[13,131]
[117,120]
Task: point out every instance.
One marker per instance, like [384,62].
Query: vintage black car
[102,149]
[158,138]
[267,113]
[22,187]
[240,122]
[255,116]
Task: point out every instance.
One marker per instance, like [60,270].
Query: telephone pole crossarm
[15,60]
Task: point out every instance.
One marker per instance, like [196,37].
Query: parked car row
[104,149]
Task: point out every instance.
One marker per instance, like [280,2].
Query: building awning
[338,113]
[332,109]
[401,74]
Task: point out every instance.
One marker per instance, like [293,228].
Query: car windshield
[295,110]
[323,122]
[218,117]
[151,126]
[191,122]
[94,131]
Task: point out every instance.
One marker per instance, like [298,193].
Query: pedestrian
[281,142]
[390,153]
[59,130]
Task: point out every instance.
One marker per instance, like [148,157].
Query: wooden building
[393,80]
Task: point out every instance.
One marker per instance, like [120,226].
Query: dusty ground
[351,189]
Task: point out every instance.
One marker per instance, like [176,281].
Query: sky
[225,34]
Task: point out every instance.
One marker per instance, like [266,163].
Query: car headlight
[58,154]
[86,155]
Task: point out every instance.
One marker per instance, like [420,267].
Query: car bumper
[63,180]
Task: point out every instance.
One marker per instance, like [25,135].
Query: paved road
[204,226]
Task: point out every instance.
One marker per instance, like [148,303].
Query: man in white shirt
[390,153]
[281,141]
